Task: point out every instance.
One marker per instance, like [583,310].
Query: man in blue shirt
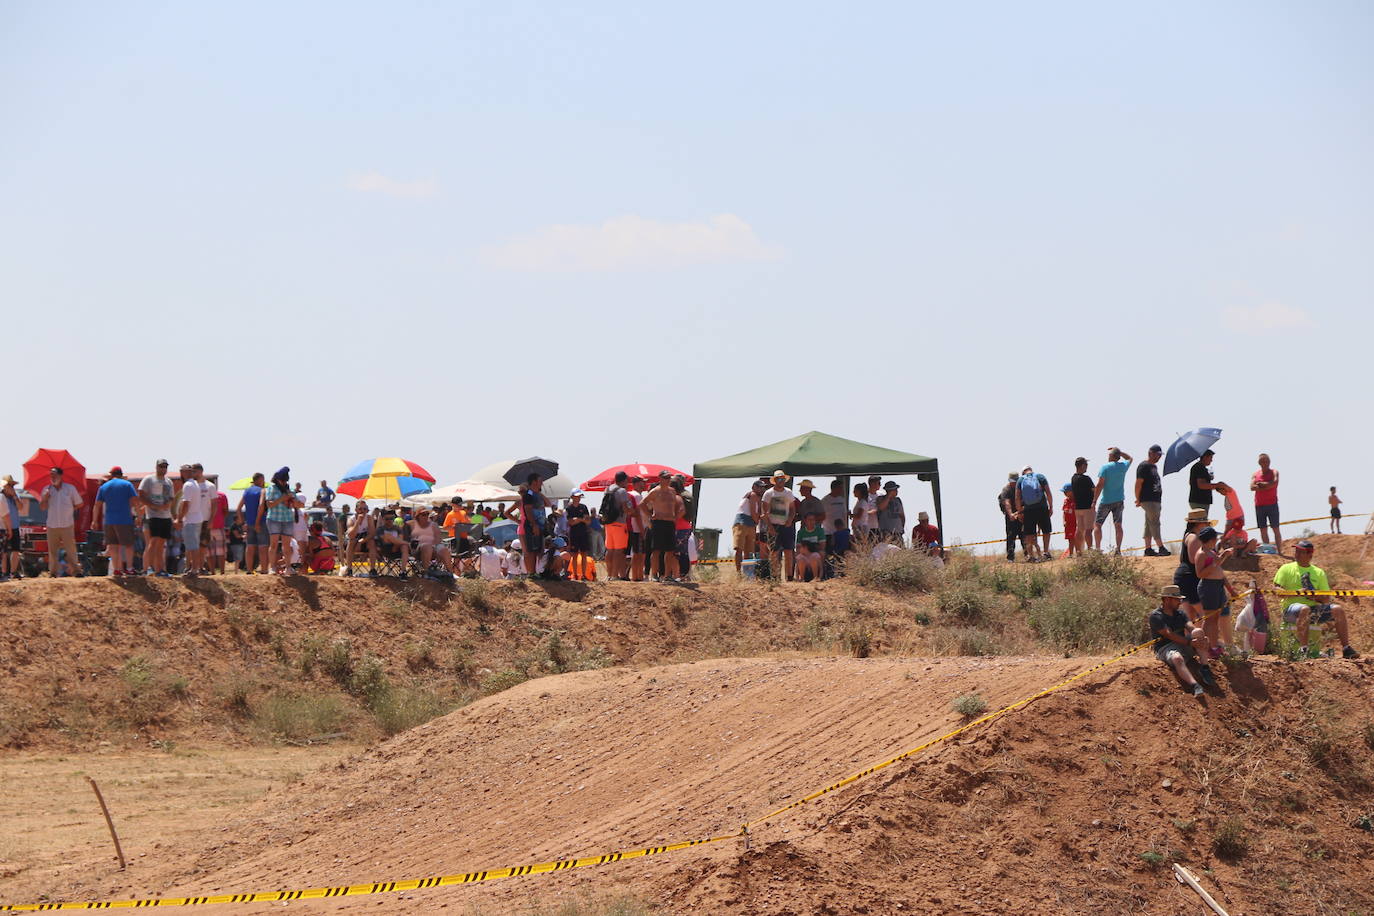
[324,496]
[1111,494]
[254,531]
[114,509]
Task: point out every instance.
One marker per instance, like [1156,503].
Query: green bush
[897,571]
[962,641]
[1094,565]
[301,716]
[1091,615]
[964,601]
[1231,840]
[399,708]
[502,680]
[969,705]
[1025,584]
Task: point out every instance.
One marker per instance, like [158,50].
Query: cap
[922,516]
[1156,448]
[1012,475]
[1304,544]
[282,472]
[163,462]
[1068,487]
[577,493]
[515,545]
[116,471]
[760,483]
[891,485]
[560,542]
[807,484]
[779,474]
[1171,591]
[664,473]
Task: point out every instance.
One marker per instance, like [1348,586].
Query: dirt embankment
[1074,804]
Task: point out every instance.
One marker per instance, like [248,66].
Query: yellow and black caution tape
[1324,593]
[477,877]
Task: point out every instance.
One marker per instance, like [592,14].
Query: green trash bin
[709,543]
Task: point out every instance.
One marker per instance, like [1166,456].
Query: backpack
[610,506]
[1031,490]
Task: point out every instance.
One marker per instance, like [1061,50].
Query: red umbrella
[44,460]
[603,480]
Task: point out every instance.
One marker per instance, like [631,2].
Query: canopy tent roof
[816,453]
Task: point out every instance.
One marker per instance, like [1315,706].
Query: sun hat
[922,516]
[1197,515]
[780,475]
[807,484]
[1171,591]
[891,485]
[9,480]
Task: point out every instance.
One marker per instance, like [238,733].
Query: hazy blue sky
[999,233]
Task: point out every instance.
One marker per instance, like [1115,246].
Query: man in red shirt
[1265,484]
[925,536]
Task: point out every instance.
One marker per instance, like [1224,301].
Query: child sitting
[1235,535]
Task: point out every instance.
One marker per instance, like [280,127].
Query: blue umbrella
[1189,447]
[502,531]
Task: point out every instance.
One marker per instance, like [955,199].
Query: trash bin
[710,543]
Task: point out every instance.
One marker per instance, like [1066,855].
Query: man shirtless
[663,507]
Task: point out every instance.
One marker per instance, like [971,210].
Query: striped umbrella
[384,467]
[386,489]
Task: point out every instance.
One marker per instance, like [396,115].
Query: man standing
[157,495]
[324,496]
[114,513]
[639,530]
[1006,500]
[1178,640]
[219,512]
[1301,575]
[1149,494]
[1111,494]
[250,513]
[615,518]
[745,528]
[533,504]
[836,508]
[779,505]
[809,502]
[1033,508]
[61,501]
[196,496]
[11,519]
[1084,493]
[662,505]
[1265,484]
[891,514]
[1200,483]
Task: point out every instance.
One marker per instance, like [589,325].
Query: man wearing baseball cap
[114,511]
[1149,495]
[1178,639]
[157,494]
[891,514]
[1301,575]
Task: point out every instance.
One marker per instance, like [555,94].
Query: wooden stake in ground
[119,851]
[1184,876]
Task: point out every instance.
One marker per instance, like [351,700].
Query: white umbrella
[471,490]
[559,486]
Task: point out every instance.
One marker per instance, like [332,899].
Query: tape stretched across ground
[477,877]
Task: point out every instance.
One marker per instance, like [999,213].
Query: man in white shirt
[197,501]
[61,501]
[491,560]
[778,505]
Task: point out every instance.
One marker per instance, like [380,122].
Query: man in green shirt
[1301,575]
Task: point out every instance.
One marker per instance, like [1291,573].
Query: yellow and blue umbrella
[385,467]
[386,489]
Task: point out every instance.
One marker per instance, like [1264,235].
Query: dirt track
[596,761]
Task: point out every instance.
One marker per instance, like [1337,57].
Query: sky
[999,234]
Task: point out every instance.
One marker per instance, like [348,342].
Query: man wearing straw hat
[1178,639]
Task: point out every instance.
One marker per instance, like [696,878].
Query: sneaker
[1197,690]
[163,574]
[1205,675]
[1163,552]
[1150,552]
[1349,652]
[1116,552]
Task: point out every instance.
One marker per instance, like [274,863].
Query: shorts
[1084,520]
[280,529]
[12,542]
[682,536]
[743,537]
[1268,516]
[784,537]
[617,536]
[1035,516]
[160,528]
[1321,613]
[119,535]
[1212,593]
[216,542]
[1113,509]
[1187,581]
[190,535]
[255,537]
[1166,652]
[1152,529]
[662,536]
[839,541]
[580,539]
[637,542]
[1335,513]
[1206,507]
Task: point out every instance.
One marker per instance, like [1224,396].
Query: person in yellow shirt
[1301,575]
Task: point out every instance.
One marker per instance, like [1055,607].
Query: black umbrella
[521,470]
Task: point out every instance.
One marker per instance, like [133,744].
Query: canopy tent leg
[696,500]
[939,514]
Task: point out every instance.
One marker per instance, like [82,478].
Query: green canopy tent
[816,453]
